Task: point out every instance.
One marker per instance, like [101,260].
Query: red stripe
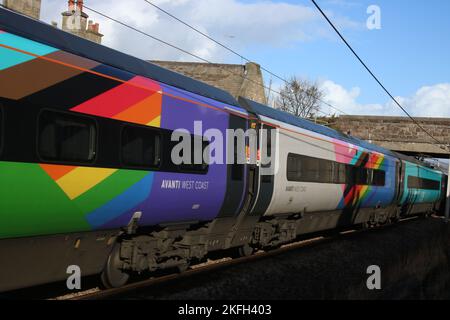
[349,197]
[119,99]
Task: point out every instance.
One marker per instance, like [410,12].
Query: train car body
[88,178]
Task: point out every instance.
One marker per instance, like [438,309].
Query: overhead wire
[443,145]
[190,26]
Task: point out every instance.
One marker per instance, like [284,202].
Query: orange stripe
[142,112]
[56,171]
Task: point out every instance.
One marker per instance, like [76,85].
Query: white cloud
[346,100]
[428,101]
[235,23]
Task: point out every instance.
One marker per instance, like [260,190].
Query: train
[88,180]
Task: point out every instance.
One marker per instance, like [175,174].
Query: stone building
[30,8]
[75,21]
[239,80]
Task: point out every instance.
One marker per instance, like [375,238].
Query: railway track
[93,292]
[97,294]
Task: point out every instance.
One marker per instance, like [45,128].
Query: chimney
[96,27]
[71,5]
[80,5]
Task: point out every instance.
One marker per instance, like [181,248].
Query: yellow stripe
[378,163]
[362,192]
[81,179]
[155,122]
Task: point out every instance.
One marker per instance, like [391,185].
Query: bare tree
[300,98]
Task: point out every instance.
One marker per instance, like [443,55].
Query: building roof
[38,31]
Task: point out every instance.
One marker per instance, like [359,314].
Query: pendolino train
[87,177]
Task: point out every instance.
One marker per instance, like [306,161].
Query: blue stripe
[10,58]
[122,203]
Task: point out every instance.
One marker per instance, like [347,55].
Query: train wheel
[113,276]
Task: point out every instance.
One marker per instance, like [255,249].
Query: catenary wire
[374,76]
[233,51]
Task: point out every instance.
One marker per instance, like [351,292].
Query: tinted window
[193,167]
[422,183]
[361,175]
[379,178]
[140,147]
[340,173]
[66,137]
[308,169]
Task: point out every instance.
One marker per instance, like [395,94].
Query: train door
[265,172]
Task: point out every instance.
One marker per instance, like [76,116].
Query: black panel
[72,92]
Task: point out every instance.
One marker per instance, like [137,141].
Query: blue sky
[411,50]
[409,53]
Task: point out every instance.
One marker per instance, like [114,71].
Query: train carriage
[88,177]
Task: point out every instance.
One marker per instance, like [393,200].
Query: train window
[326,171]
[423,183]
[193,167]
[340,170]
[294,168]
[66,137]
[361,176]
[310,169]
[379,178]
[307,169]
[141,147]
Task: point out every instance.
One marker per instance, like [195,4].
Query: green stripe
[108,189]
[31,203]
